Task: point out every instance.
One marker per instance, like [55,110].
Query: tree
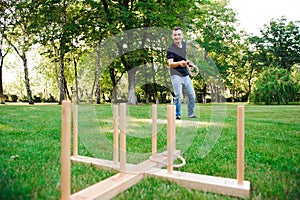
[275,85]
[19,35]
[3,53]
[128,14]
[4,49]
[58,25]
[241,70]
[214,26]
[279,45]
[97,22]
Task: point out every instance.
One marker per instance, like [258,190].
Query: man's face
[177,36]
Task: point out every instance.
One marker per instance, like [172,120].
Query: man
[177,63]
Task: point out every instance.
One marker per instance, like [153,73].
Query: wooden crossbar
[220,185]
[110,165]
[112,186]
[108,188]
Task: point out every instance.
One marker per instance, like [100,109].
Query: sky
[253,14]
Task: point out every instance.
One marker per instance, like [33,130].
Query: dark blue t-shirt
[177,54]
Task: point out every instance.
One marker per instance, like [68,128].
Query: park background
[49,46]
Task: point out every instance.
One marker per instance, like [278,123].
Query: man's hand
[173,64]
[191,65]
[183,63]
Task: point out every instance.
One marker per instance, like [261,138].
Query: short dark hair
[176,28]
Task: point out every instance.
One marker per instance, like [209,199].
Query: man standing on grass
[177,63]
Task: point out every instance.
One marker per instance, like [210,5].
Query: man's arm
[173,64]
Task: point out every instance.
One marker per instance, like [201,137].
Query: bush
[10,98]
[5,97]
[275,85]
[50,99]
[14,98]
[24,99]
[37,99]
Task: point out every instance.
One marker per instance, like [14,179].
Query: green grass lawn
[30,150]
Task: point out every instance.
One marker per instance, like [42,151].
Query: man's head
[177,34]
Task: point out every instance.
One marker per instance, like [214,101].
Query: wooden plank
[240,144]
[109,165]
[122,137]
[116,135]
[154,130]
[112,186]
[101,163]
[108,188]
[171,136]
[220,185]
[66,150]
[75,130]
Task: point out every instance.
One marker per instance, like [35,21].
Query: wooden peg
[240,144]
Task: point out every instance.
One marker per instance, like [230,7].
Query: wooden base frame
[130,174]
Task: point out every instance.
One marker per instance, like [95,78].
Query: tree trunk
[212,92]
[147,85]
[62,78]
[249,84]
[76,97]
[114,82]
[147,93]
[232,95]
[154,83]
[114,79]
[98,76]
[205,79]
[98,92]
[204,88]
[66,90]
[249,90]
[57,75]
[165,72]
[62,48]
[154,80]
[27,84]
[167,84]
[91,96]
[2,99]
[114,94]
[132,99]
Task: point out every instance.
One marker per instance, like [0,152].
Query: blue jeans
[178,82]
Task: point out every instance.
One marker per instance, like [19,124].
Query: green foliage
[217,34]
[69,30]
[279,45]
[275,86]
